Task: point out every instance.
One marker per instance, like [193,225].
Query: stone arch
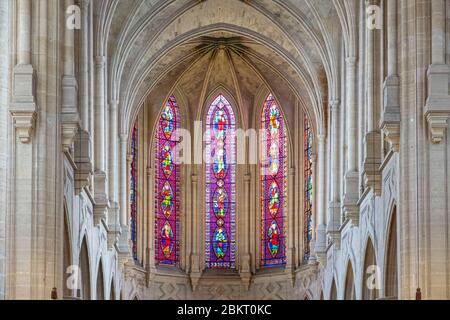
[349,290]
[391,260]
[67,255]
[333,290]
[370,274]
[85,279]
[100,282]
[112,291]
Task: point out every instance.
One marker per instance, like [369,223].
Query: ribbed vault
[293,43]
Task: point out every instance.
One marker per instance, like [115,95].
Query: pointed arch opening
[85,279]
[100,283]
[167,189]
[220,185]
[370,284]
[333,291]
[112,293]
[391,272]
[349,293]
[67,255]
[273,184]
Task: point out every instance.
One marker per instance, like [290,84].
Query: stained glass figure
[133,190]
[308,187]
[273,184]
[220,245]
[167,186]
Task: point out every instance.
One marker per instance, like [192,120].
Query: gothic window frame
[211,220]
[270,182]
[167,224]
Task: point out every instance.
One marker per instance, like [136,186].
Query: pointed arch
[391,272]
[112,292]
[167,179]
[333,290]
[220,185]
[369,285]
[273,184]
[349,291]
[85,279]
[100,282]
[67,254]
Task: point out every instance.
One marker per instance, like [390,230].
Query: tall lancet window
[307,147]
[273,184]
[167,186]
[220,245]
[133,189]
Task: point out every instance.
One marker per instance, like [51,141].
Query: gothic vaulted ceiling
[290,46]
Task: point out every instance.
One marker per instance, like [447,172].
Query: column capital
[438,124]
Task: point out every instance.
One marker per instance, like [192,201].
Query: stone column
[82,152]
[124,248]
[351,192]
[291,257]
[321,244]
[100,178]
[434,252]
[312,254]
[244,270]
[84,66]
[390,116]
[195,255]
[5,87]
[150,224]
[70,119]
[113,217]
[334,224]
[23,112]
[372,138]
[437,107]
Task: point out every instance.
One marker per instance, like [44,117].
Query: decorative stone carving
[437,107]
[70,119]
[23,106]
[350,206]
[390,116]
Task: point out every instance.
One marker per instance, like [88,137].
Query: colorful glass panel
[133,190]
[166,186]
[220,246]
[273,184]
[308,187]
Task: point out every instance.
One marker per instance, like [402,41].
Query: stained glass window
[133,189]
[167,186]
[307,142]
[273,184]
[220,246]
